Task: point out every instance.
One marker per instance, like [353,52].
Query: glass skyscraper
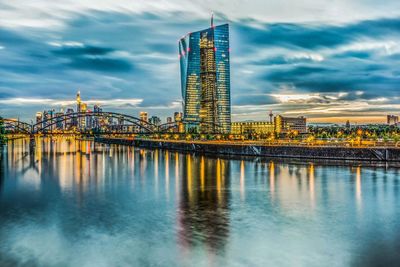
[205,79]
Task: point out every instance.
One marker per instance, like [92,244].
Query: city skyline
[328,70]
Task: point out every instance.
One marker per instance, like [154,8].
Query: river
[79,203]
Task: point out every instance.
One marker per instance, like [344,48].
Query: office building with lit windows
[285,125]
[205,79]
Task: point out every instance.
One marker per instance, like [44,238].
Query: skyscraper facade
[205,79]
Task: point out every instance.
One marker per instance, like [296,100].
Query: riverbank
[380,154]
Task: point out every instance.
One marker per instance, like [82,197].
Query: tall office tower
[78,101]
[178,116]
[78,109]
[70,122]
[143,116]
[39,117]
[205,79]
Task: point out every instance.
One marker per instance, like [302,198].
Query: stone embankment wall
[307,152]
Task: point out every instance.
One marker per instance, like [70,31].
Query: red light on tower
[188,49]
[215,49]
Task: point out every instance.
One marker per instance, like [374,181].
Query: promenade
[265,149]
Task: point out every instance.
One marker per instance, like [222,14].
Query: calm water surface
[75,203]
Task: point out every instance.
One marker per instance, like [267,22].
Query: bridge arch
[38,127]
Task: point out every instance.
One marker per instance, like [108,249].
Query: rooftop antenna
[212,19]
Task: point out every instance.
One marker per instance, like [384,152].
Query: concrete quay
[307,152]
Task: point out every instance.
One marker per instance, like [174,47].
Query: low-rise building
[252,127]
[392,119]
[290,124]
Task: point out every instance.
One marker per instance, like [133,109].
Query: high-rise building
[205,79]
[59,120]
[39,117]
[78,101]
[169,119]
[178,116]
[143,116]
[82,119]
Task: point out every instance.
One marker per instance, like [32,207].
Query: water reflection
[152,206]
[204,213]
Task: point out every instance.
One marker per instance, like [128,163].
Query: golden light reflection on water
[166,157]
[242,180]
[358,187]
[312,184]
[272,178]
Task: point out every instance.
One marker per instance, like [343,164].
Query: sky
[328,60]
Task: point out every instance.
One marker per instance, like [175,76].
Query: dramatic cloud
[322,59]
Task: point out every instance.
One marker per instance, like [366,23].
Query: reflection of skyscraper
[205,79]
[204,202]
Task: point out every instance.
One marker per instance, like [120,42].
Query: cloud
[57,102]
[129,51]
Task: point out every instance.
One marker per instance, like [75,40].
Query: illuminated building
[96,119]
[48,119]
[82,119]
[70,122]
[39,117]
[392,119]
[287,124]
[59,120]
[143,116]
[78,101]
[205,79]
[178,116]
[252,127]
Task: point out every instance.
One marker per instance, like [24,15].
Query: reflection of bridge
[91,123]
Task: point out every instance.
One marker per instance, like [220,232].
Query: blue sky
[327,60]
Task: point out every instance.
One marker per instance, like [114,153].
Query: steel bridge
[90,122]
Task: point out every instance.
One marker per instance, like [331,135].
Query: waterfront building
[252,127]
[59,116]
[82,119]
[96,119]
[178,116]
[70,122]
[205,79]
[289,124]
[143,116]
[392,120]
[48,121]
[78,101]
[39,117]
